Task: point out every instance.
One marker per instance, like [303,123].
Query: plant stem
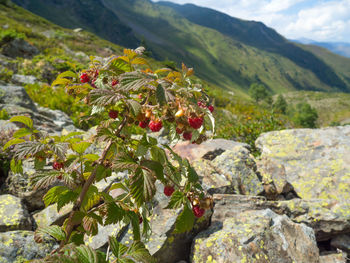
[87,184]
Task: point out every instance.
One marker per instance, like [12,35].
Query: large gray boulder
[256,236]
[19,48]
[316,162]
[13,214]
[19,246]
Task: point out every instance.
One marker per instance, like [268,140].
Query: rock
[19,246]
[101,239]
[19,48]
[8,63]
[6,126]
[50,216]
[13,215]
[317,162]
[334,258]
[16,96]
[341,242]
[23,79]
[207,150]
[15,100]
[239,168]
[272,172]
[256,236]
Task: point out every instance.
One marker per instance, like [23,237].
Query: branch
[88,183]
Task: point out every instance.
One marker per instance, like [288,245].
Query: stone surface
[256,236]
[15,96]
[23,79]
[13,215]
[317,162]
[19,48]
[342,242]
[50,216]
[209,149]
[19,246]
[334,258]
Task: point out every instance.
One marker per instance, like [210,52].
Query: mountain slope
[339,48]
[225,51]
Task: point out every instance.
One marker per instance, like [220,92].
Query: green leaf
[85,254]
[142,186]
[158,155]
[185,220]
[115,214]
[138,252]
[66,197]
[134,218]
[61,81]
[66,74]
[54,231]
[154,166]
[102,172]
[191,173]
[52,195]
[118,249]
[39,163]
[16,166]
[92,198]
[21,133]
[177,199]
[210,121]
[23,119]
[135,107]
[160,94]
[91,157]
[90,225]
[12,142]
[123,161]
[81,147]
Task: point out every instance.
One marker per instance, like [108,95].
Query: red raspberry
[198,211]
[59,177]
[187,136]
[201,104]
[115,82]
[143,124]
[140,219]
[139,96]
[211,108]
[57,165]
[113,114]
[179,131]
[195,122]
[155,126]
[84,78]
[169,190]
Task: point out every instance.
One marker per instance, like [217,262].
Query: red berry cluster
[115,82]
[169,190]
[113,114]
[155,126]
[187,136]
[84,78]
[198,211]
[143,124]
[202,105]
[57,165]
[195,122]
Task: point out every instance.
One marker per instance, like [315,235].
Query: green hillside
[225,51]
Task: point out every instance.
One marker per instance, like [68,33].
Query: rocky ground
[291,204]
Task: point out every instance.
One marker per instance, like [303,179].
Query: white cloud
[321,20]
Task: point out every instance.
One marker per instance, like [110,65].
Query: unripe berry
[59,177]
[179,131]
[113,114]
[187,136]
[198,211]
[155,126]
[179,113]
[169,190]
[84,78]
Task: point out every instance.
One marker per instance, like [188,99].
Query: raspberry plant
[129,101]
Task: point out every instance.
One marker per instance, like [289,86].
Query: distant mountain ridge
[228,52]
[340,48]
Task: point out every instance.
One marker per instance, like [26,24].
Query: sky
[319,20]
